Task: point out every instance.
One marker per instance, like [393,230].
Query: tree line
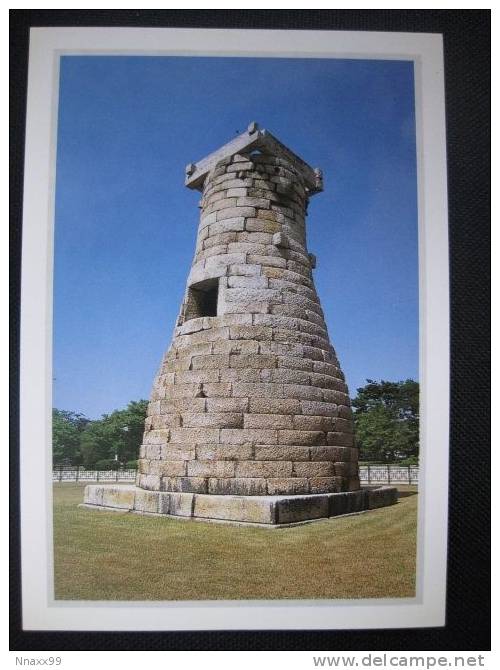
[386,422]
[107,443]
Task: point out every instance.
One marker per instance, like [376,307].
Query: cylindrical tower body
[250,398]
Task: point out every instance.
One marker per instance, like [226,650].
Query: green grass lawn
[111,556]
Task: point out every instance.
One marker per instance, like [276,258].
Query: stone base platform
[269,511]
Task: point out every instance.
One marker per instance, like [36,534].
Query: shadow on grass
[405,494]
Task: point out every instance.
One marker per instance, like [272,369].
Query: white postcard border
[40,611]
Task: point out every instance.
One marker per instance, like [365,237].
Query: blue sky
[125,224]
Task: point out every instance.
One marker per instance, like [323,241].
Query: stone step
[270,511]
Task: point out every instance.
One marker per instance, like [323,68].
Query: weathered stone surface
[153,451]
[305,422]
[227,225]
[168,468]
[263,469]
[281,452]
[318,408]
[343,484]
[348,503]
[303,392]
[177,452]
[343,425]
[247,270]
[235,320]
[227,404]
[345,412]
[281,240]
[240,375]
[262,226]
[217,250]
[164,421]
[257,237]
[225,452]
[185,485]
[353,483]
[250,333]
[382,497]
[213,420]
[244,306]
[258,361]
[181,504]
[242,486]
[313,469]
[157,437]
[220,390]
[163,503]
[240,500]
[287,486]
[151,482]
[290,310]
[273,406]
[290,376]
[232,212]
[238,346]
[323,485]
[246,247]
[146,501]
[346,469]
[234,508]
[295,363]
[236,192]
[267,261]
[331,454]
[210,468]
[224,259]
[327,382]
[243,165]
[192,436]
[339,504]
[302,508]
[268,421]
[338,397]
[254,202]
[212,361]
[248,282]
[301,437]
[217,240]
[340,439]
[271,215]
[250,398]
[248,436]
[93,495]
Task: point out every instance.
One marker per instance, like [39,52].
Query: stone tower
[249,419]
[250,398]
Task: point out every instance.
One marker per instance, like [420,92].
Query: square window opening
[202,299]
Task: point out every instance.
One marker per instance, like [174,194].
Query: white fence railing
[389,474]
[78,475]
[368,474]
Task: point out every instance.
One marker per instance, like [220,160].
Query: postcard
[235,358]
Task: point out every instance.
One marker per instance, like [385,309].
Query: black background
[467,76]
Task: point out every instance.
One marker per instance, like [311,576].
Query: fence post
[388,474]
[409,474]
[368,474]
[77,471]
[60,473]
[97,475]
[117,475]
